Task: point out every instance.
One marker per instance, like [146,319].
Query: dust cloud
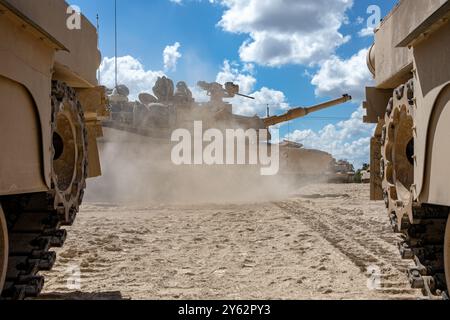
[138,170]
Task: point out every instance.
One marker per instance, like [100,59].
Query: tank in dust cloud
[50,111]
[170,108]
[410,104]
[342,172]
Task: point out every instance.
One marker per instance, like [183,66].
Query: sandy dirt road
[321,243]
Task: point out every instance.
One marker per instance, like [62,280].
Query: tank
[301,163]
[410,105]
[172,107]
[365,176]
[342,171]
[51,107]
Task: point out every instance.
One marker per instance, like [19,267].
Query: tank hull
[409,151]
[50,110]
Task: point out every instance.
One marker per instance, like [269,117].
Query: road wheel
[3,248]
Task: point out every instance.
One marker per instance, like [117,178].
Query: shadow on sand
[112,295]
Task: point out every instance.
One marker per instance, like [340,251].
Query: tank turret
[217,92]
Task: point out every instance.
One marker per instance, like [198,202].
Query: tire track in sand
[365,244]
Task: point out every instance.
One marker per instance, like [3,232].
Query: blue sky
[208,36]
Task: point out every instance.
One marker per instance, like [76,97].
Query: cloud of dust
[138,170]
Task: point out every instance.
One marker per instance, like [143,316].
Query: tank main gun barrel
[245,96]
[302,112]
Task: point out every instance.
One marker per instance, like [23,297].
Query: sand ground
[323,242]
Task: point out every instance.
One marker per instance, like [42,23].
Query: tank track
[423,242]
[34,228]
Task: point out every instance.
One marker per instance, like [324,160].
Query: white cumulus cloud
[263,97]
[359,20]
[230,73]
[131,72]
[337,76]
[366,32]
[171,55]
[286,31]
[348,140]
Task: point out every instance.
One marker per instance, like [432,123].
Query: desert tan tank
[49,121]
[342,171]
[158,115]
[410,151]
[301,163]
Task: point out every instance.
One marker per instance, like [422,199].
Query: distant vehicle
[365,176]
[341,171]
[172,107]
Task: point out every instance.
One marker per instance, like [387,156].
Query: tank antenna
[115,40]
[98,44]
[98,28]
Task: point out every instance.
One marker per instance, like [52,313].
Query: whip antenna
[98,44]
[115,40]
